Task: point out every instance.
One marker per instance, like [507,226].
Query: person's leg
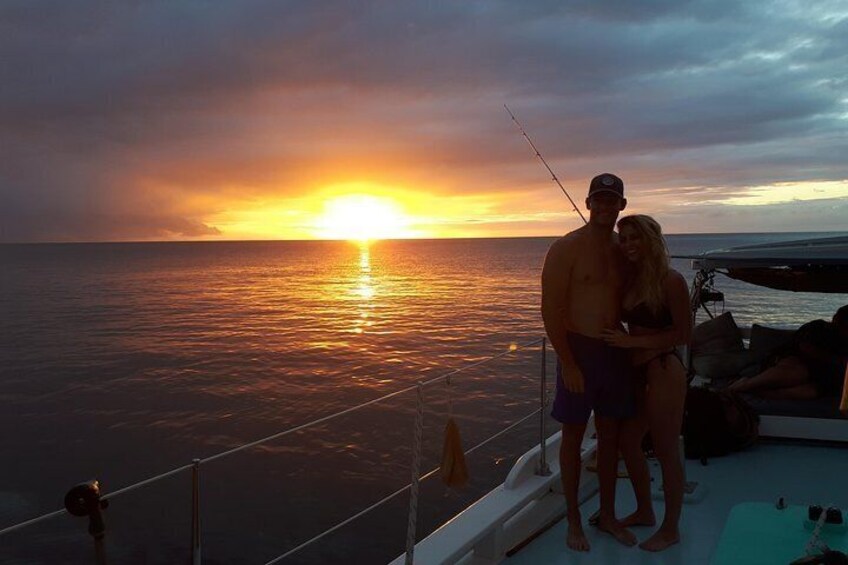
[788,372]
[569,463]
[665,401]
[630,444]
[573,411]
[608,435]
[806,391]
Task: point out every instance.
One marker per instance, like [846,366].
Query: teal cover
[758,533]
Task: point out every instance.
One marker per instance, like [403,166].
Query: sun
[362,217]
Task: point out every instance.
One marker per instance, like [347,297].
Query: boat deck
[802,474]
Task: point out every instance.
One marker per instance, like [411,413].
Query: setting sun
[363,218]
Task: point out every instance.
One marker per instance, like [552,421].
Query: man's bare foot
[639,518]
[576,538]
[660,540]
[614,528]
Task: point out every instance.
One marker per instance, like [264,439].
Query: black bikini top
[640,315]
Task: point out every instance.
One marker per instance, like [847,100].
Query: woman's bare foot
[614,528]
[576,538]
[639,518]
[660,540]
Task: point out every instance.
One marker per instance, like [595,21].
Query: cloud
[819,215]
[165,114]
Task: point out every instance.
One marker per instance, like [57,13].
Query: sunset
[363,217]
[392,282]
[226,124]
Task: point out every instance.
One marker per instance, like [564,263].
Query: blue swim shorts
[609,386]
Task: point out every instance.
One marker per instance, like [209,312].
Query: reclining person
[812,366]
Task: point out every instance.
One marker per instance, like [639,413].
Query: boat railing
[85,499]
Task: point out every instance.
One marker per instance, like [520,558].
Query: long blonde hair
[647,278]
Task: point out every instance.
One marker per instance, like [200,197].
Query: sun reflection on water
[364,289]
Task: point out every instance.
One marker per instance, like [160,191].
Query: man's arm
[556,278]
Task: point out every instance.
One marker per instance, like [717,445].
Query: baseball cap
[606,182]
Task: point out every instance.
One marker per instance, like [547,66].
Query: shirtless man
[581,296]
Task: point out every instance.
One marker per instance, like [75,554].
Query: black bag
[717,422]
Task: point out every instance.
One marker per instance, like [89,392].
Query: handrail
[211,458]
[364,404]
[33,521]
[426,475]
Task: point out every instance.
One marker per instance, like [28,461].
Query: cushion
[718,366]
[765,340]
[719,335]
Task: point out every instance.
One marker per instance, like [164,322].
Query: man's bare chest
[597,270]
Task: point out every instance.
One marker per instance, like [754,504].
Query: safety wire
[180,469]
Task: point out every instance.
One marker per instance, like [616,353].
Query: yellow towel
[843,404]
[454,471]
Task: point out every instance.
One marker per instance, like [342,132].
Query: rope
[813,544]
[147,481]
[363,405]
[351,519]
[243,447]
[450,397]
[503,431]
[412,519]
[397,493]
[32,521]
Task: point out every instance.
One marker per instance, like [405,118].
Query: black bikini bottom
[640,371]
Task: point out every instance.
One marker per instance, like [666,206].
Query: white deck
[802,474]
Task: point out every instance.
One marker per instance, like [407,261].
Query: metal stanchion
[195,512]
[543,468]
[411,525]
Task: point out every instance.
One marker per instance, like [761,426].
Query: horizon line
[142,241]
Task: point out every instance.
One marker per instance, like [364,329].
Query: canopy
[808,265]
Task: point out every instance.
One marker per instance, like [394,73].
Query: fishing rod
[539,155]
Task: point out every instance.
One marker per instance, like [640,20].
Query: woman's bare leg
[630,444]
[665,399]
[789,372]
[806,391]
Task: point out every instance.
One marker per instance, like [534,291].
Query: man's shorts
[608,390]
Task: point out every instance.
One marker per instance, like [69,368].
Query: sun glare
[362,218]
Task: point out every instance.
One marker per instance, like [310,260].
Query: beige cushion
[719,335]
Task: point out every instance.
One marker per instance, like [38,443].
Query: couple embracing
[593,281]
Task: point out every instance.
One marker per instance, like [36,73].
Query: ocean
[122,361]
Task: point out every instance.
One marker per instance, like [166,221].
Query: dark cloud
[118,118]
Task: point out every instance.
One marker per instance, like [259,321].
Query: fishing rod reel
[84,500]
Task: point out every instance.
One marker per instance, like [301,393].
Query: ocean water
[123,361]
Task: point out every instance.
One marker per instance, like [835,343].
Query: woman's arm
[680,332]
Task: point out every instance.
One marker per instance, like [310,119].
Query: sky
[184,120]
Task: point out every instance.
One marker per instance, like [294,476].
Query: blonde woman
[655,307]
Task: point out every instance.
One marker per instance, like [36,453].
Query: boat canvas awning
[795,279]
[808,265]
